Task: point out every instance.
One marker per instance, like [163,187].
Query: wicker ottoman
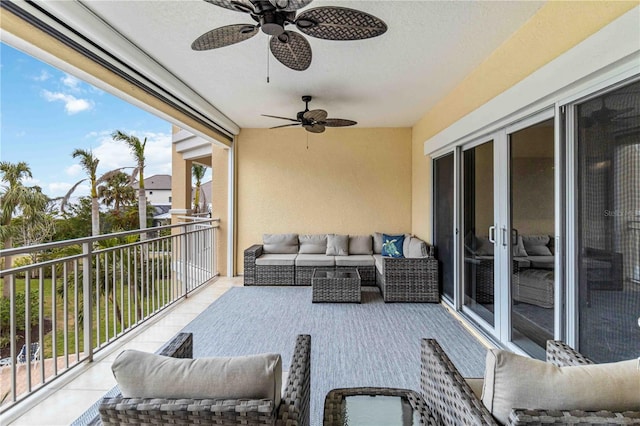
[331,285]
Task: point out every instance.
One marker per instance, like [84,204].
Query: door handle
[504,236]
[492,234]
[514,236]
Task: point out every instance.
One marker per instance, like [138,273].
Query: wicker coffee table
[375,406]
[331,285]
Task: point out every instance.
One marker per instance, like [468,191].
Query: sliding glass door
[443,232]
[607,204]
[478,231]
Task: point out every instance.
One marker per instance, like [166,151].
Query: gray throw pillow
[146,375]
[484,246]
[377,242]
[518,249]
[536,245]
[360,244]
[313,244]
[337,245]
[417,248]
[280,243]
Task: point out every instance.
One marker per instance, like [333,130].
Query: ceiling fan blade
[339,23]
[314,128]
[237,5]
[292,50]
[315,115]
[338,122]
[286,125]
[224,36]
[289,5]
[282,118]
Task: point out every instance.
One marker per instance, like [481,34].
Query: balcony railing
[73,298]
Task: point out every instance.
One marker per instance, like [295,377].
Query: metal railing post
[87,309]
[183,256]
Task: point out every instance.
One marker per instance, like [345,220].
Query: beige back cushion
[313,244]
[514,381]
[280,243]
[145,375]
[360,244]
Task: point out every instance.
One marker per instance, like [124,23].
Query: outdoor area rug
[368,344]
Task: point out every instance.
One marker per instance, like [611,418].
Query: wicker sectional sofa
[290,259]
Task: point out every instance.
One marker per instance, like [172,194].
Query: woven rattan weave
[331,285]
[292,411]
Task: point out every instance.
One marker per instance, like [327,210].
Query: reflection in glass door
[478,231]
[532,218]
[443,176]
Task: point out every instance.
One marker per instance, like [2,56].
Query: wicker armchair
[452,402]
[292,411]
[409,280]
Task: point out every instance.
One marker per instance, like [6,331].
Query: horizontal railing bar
[80,241]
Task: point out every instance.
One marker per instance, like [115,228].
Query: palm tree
[89,164]
[198,171]
[117,191]
[15,196]
[137,149]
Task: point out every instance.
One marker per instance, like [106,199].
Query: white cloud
[74,170]
[72,104]
[113,154]
[60,189]
[70,81]
[43,76]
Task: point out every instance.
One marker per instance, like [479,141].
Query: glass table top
[361,410]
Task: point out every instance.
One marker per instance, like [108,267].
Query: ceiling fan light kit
[289,47]
[314,121]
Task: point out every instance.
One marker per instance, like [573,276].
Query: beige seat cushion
[514,381]
[276,260]
[315,260]
[355,260]
[476,384]
[146,375]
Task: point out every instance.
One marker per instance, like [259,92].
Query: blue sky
[47,113]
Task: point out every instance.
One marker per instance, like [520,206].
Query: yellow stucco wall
[348,181]
[557,27]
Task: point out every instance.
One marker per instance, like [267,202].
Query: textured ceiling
[388,81]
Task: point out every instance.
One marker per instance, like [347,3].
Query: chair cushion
[377,242]
[518,249]
[536,245]
[360,244]
[542,262]
[416,248]
[280,243]
[313,244]
[476,384]
[377,259]
[146,375]
[392,245]
[315,260]
[337,245]
[355,260]
[484,247]
[514,381]
[276,260]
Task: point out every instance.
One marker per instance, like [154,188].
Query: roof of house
[156,182]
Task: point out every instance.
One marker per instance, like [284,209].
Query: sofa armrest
[250,256]
[295,404]
[181,346]
[561,354]
[446,393]
[544,417]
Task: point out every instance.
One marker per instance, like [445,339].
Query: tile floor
[67,398]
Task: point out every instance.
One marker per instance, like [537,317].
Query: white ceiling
[387,81]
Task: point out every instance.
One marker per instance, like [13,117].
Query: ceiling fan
[314,121]
[289,47]
[605,115]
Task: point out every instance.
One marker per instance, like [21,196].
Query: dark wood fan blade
[290,5]
[314,128]
[286,125]
[292,50]
[224,36]
[237,5]
[315,115]
[339,23]
[338,122]
[282,118]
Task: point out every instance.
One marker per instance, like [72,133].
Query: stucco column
[220,203]
[180,186]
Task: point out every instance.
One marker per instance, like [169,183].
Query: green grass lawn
[52,307]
